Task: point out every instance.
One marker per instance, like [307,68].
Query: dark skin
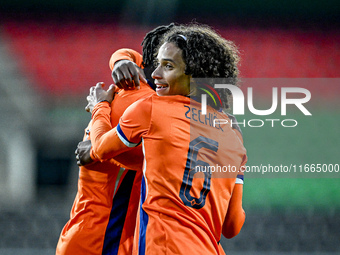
[127,75]
[83,153]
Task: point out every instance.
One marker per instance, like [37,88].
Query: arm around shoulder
[127,54]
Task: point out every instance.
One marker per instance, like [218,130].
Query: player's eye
[168,66]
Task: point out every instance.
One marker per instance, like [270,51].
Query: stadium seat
[72,57]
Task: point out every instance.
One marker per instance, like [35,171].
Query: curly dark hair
[206,54]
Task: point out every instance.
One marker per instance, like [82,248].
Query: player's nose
[156,74]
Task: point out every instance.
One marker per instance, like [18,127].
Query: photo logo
[238,100]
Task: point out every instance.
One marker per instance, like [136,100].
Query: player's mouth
[160,87]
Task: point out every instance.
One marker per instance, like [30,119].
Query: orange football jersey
[186,187]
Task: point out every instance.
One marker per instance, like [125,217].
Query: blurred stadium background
[51,52]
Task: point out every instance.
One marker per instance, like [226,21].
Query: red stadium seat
[73,57]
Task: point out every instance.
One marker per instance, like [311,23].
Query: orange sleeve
[126,161]
[127,54]
[235,217]
[107,143]
[135,122]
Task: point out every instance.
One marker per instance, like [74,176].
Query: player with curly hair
[184,207]
[207,55]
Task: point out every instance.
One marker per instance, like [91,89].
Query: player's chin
[163,91]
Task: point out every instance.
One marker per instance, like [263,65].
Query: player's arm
[108,142]
[235,217]
[126,67]
[127,54]
[101,124]
[83,157]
